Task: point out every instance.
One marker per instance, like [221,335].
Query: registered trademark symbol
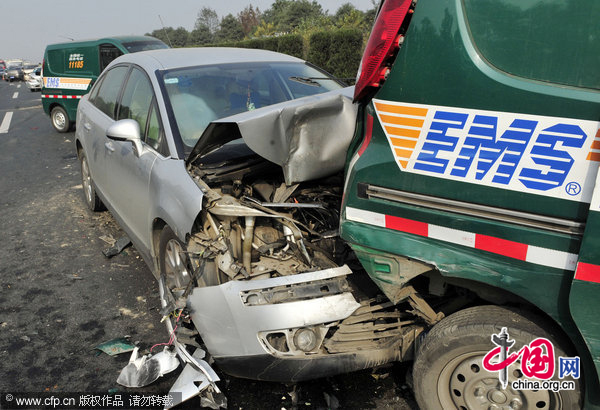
[573,188]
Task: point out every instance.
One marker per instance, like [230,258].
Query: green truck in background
[472,181]
[70,69]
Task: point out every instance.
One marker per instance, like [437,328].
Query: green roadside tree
[287,15]
[230,29]
[249,19]
[207,17]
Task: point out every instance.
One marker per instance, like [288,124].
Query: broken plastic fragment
[141,371]
[191,382]
[116,346]
[116,249]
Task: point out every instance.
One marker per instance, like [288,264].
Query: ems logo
[520,152]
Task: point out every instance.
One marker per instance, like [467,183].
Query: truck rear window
[135,46]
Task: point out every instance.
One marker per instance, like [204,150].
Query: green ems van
[70,69]
[473,183]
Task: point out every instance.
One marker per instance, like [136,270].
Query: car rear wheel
[89,191]
[60,119]
[448,371]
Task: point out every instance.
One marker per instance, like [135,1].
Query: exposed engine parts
[255,227]
[267,258]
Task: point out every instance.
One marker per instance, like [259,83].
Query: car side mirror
[127,130]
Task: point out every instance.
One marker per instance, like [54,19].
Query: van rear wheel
[60,119]
[448,371]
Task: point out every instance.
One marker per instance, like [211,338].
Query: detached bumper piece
[298,327]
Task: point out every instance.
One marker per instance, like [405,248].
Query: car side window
[136,100]
[154,134]
[109,91]
[94,90]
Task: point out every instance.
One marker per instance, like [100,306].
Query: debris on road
[116,346]
[108,239]
[195,380]
[118,247]
[141,371]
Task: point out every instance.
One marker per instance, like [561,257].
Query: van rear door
[583,298]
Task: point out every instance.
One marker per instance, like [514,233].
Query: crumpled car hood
[308,137]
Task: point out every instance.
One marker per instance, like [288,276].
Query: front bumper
[251,327]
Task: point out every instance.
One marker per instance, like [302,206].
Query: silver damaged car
[224,166]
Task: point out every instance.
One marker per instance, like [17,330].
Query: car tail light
[384,41]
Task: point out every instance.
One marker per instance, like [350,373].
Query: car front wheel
[448,372]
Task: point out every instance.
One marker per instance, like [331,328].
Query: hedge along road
[60,297]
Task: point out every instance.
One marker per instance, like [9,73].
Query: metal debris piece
[192,382]
[141,371]
[116,249]
[116,346]
[108,239]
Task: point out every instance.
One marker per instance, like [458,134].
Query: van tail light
[368,135]
[384,41]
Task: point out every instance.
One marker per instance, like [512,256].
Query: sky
[26,28]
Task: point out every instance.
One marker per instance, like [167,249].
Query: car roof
[166,59]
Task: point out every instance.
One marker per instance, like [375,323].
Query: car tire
[178,271]
[60,119]
[173,261]
[92,200]
[448,371]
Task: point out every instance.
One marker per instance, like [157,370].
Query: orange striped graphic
[594,154]
[405,121]
[402,142]
[403,127]
[401,109]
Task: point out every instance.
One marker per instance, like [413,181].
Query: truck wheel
[448,372]
[60,119]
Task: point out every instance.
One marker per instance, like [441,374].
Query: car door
[129,171]
[95,116]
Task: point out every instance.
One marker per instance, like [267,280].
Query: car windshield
[200,95]
[135,46]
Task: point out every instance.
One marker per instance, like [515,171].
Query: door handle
[109,146]
[87,126]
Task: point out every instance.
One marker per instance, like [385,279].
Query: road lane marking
[6,122]
[16,94]
[25,108]
[19,86]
